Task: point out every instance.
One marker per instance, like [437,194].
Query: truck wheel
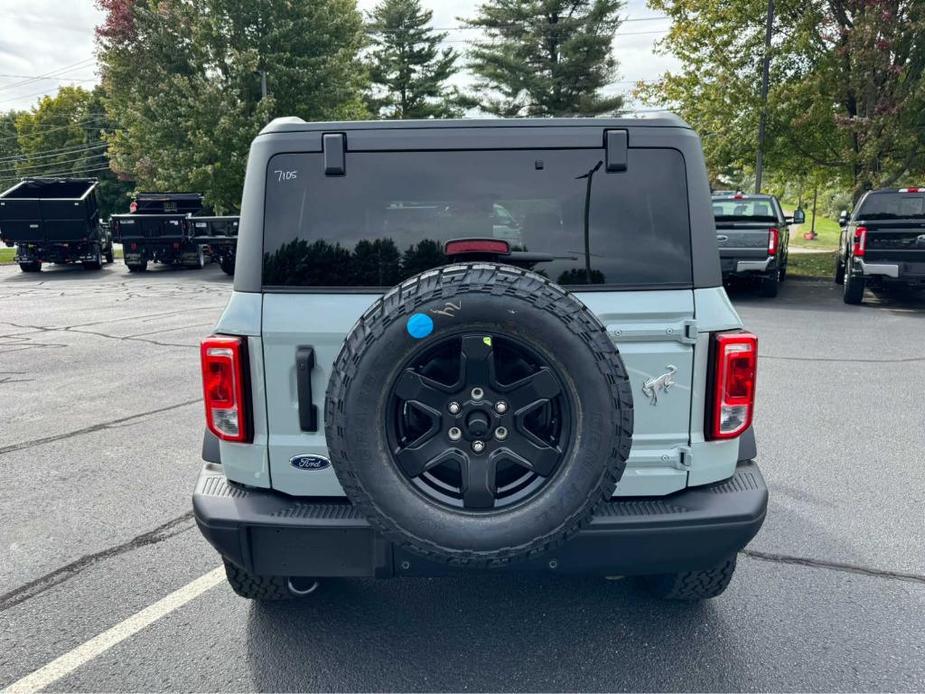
[853,288]
[691,586]
[200,261]
[478,415]
[266,588]
[95,264]
[839,270]
[137,267]
[770,286]
[227,265]
[110,258]
[35,266]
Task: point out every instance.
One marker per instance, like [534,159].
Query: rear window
[389,217]
[744,210]
[893,206]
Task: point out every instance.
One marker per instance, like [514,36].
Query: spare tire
[478,414]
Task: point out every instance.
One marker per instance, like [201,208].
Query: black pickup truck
[882,242]
[55,220]
[159,229]
[752,233]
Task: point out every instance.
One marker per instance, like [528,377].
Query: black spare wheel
[478,414]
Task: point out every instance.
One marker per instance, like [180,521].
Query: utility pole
[263,84]
[765,77]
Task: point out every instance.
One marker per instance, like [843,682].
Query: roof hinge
[335,147]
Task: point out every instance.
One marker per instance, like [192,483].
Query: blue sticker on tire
[419,325]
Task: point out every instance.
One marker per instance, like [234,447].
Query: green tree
[9,147]
[847,93]
[63,136]
[545,57]
[407,68]
[185,82]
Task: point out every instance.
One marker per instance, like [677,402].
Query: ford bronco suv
[754,240]
[458,346]
[882,243]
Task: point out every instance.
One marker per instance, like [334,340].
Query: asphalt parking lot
[100,427]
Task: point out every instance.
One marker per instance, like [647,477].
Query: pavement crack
[95,427]
[833,566]
[163,532]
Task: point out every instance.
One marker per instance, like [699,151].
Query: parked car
[158,229]
[388,399]
[55,220]
[220,236]
[754,238]
[882,243]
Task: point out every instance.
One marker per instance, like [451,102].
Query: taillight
[773,240]
[223,387]
[915,189]
[133,207]
[860,242]
[735,366]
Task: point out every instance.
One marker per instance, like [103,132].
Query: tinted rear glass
[754,210]
[390,215]
[893,206]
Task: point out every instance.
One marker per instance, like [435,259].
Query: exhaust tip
[296,589]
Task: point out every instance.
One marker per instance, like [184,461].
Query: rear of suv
[882,243]
[459,346]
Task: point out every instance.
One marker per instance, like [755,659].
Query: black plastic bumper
[272,534]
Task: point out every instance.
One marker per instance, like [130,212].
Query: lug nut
[455,433]
[477,393]
[453,407]
[501,433]
[478,446]
[501,407]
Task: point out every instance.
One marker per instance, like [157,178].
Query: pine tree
[407,68]
[546,57]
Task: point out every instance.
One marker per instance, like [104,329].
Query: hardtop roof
[292,124]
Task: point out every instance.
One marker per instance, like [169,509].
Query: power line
[79,65]
[51,73]
[58,174]
[33,169]
[39,78]
[98,144]
[41,129]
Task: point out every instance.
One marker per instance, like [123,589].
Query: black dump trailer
[159,229]
[220,234]
[55,220]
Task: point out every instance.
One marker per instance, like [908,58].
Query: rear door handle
[721,237]
[304,365]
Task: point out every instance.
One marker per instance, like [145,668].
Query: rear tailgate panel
[648,327]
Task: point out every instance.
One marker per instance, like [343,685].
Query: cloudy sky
[47,43]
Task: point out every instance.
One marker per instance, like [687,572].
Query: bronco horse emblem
[652,386]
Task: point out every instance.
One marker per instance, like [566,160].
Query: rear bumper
[747,263]
[913,272]
[272,534]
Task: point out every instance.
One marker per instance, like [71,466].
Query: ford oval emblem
[309,462]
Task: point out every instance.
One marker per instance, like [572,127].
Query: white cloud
[38,37]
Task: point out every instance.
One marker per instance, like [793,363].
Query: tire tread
[444,284]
